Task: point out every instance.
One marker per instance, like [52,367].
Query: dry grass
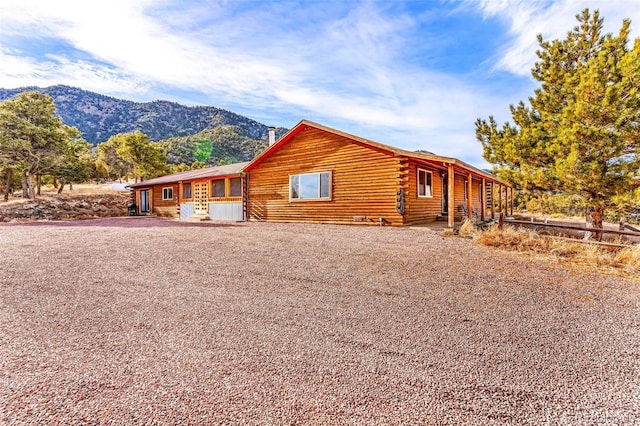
[625,261]
[49,192]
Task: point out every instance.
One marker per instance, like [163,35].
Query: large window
[167,193]
[186,190]
[424,183]
[235,187]
[310,186]
[217,188]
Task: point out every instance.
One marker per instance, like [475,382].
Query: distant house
[318,174]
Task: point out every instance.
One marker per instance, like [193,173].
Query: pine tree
[132,153]
[33,139]
[580,132]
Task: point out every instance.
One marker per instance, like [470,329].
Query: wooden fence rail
[572,227]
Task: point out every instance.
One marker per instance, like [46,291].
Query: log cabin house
[318,174]
[321,175]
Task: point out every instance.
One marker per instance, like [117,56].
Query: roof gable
[303,124]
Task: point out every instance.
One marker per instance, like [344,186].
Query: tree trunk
[31,189]
[38,184]
[61,185]
[7,189]
[55,182]
[595,217]
[25,186]
[70,186]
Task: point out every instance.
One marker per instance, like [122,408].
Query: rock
[72,207]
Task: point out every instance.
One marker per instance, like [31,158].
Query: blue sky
[413,74]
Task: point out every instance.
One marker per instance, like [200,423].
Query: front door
[144,201]
[201,198]
[445,195]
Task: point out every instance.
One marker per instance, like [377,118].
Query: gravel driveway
[143,321]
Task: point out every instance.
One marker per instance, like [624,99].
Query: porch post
[180,196]
[451,211]
[506,200]
[483,200]
[469,197]
[493,200]
[512,201]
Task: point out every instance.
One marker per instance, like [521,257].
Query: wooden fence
[571,227]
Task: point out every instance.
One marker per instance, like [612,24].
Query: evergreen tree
[76,165]
[108,164]
[147,159]
[33,138]
[580,132]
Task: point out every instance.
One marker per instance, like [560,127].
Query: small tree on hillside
[580,132]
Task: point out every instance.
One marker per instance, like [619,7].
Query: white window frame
[319,197]
[429,193]
[166,191]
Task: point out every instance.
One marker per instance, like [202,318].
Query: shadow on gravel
[128,222]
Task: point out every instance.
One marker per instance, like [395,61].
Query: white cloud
[527,18]
[344,64]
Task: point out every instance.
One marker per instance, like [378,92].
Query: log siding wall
[164,208]
[422,209]
[364,182]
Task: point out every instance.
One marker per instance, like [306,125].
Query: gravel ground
[145,321]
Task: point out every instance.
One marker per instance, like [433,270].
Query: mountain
[98,116]
[226,143]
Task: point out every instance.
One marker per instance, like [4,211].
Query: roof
[304,124]
[237,168]
[229,169]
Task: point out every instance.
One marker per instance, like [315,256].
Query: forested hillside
[226,143]
[98,116]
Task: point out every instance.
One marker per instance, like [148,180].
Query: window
[167,193]
[235,187]
[310,186]
[424,183]
[466,190]
[217,188]
[186,190]
[480,191]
